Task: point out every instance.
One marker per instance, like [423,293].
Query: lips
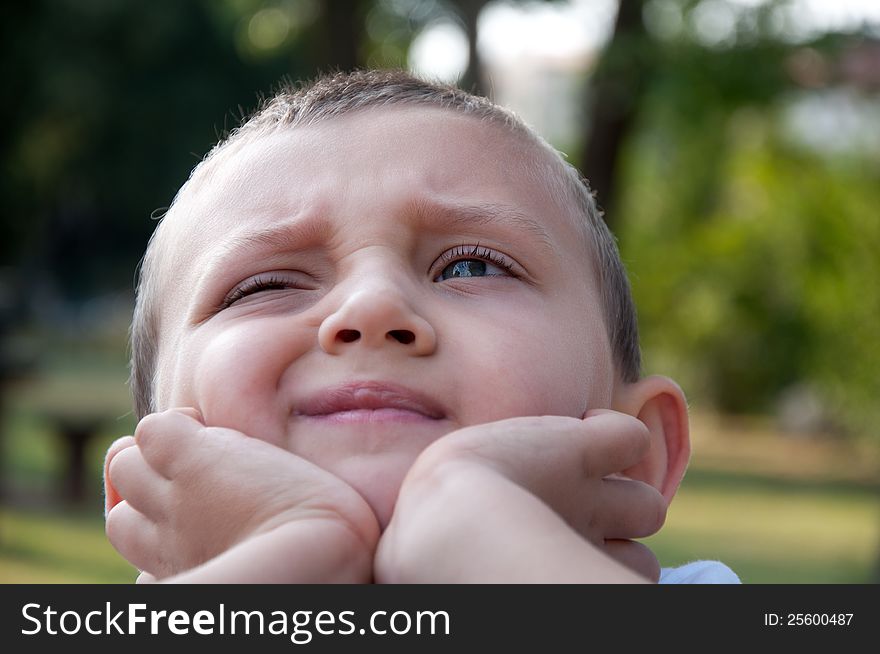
[370,400]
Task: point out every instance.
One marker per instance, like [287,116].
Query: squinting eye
[264,282]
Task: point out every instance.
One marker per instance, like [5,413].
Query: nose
[377,318]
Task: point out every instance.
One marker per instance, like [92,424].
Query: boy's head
[373,261]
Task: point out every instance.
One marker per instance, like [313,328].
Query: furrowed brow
[452,217]
[297,235]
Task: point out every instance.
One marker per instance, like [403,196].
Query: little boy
[383,335]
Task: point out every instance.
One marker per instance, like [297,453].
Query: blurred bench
[75,432]
[76,408]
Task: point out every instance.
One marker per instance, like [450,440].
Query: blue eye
[473,261]
[464,268]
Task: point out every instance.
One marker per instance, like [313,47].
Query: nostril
[348,335]
[403,336]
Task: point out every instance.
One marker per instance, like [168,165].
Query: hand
[180,495]
[535,499]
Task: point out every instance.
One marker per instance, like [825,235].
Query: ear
[660,404]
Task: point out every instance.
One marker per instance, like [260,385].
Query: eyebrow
[312,229]
[443,216]
[299,234]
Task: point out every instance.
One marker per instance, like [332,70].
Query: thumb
[591,413]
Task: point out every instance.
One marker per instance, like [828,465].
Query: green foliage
[112,104]
[753,259]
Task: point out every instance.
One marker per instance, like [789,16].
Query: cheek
[533,368]
[232,376]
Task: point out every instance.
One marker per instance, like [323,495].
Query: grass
[775,509]
[774,535]
[39,546]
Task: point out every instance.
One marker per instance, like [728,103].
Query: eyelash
[475,252]
[254,285]
[272,281]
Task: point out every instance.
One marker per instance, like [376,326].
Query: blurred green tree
[114,103]
[751,253]
[746,294]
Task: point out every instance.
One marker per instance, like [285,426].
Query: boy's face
[354,290]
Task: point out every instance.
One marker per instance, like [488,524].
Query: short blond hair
[340,94]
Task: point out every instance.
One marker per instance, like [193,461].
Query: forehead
[440,149]
[364,162]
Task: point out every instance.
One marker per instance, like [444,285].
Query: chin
[381,498]
[378,479]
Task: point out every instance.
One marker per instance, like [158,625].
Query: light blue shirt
[699,572]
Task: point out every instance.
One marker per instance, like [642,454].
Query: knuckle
[171,421]
[637,432]
[457,445]
[646,563]
[641,438]
[116,465]
[148,427]
[114,524]
[433,462]
[116,448]
[440,464]
[118,445]
[659,513]
[643,432]
[631,424]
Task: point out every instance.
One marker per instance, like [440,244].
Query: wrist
[328,550]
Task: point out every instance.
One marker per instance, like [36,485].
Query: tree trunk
[341,35]
[472,80]
[614,97]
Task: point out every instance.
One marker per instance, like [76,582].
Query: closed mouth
[370,401]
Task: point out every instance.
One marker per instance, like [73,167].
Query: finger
[605,442]
[628,508]
[141,486]
[111,495]
[560,459]
[134,536]
[525,449]
[163,438]
[635,556]
[190,412]
[616,441]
